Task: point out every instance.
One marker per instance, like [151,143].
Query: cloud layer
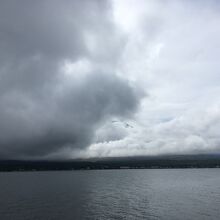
[54,89]
[108,78]
[172,51]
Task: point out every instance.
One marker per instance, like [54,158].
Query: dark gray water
[111,194]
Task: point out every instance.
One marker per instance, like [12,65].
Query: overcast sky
[98,78]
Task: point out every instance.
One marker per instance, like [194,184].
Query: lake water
[111,194]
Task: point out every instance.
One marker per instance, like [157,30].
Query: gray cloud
[44,109]
[173,52]
[70,68]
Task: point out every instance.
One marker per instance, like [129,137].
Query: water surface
[111,194]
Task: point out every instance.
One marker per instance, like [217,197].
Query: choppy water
[111,194]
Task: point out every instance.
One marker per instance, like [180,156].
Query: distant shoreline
[180,168]
[154,162]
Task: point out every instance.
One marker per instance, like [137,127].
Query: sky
[106,78]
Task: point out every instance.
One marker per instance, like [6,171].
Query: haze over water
[111,194]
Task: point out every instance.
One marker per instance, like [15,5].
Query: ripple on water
[111,194]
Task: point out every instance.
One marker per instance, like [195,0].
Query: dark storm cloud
[42,111]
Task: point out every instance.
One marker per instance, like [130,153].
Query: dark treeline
[195,161]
